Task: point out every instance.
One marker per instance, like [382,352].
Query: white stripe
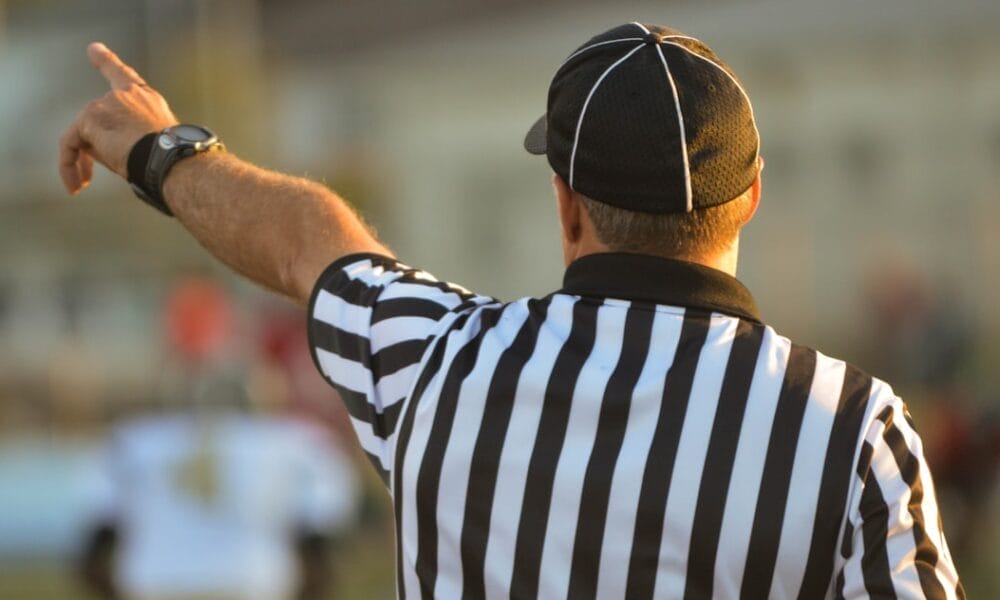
[387,332]
[409,290]
[419,435]
[370,274]
[518,444]
[680,125]
[590,47]
[583,111]
[753,119]
[803,486]
[461,445]
[334,310]
[899,545]
[626,484]
[671,577]
[362,267]
[347,373]
[854,577]
[571,469]
[748,465]
[395,387]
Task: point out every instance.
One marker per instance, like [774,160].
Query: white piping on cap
[582,50]
[641,26]
[753,119]
[586,103]
[680,123]
[680,37]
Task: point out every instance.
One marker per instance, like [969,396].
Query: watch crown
[165,141]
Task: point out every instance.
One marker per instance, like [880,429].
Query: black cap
[646,118]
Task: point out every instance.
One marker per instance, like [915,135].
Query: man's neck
[725,261]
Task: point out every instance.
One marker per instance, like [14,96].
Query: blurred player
[207,500]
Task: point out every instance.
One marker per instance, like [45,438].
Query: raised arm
[278,230]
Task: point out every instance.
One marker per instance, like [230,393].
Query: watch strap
[152,157]
[138,173]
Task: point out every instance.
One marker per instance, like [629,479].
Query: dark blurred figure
[921,338]
[925,340]
[219,494]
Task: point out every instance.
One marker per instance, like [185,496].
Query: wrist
[155,154]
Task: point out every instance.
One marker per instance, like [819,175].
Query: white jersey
[211,507]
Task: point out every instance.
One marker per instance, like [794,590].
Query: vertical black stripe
[926,557]
[548,446]
[489,443]
[403,440]
[659,468]
[830,505]
[719,459]
[429,477]
[874,529]
[611,427]
[772,498]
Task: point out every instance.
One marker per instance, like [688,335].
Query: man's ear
[569,208]
[755,192]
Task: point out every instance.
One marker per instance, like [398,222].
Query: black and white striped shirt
[638,434]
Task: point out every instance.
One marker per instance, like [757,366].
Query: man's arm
[278,230]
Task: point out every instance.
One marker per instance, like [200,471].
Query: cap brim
[535,141]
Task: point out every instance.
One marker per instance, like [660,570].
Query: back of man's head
[694,235]
[652,131]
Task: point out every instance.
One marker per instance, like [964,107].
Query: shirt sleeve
[371,319]
[894,544]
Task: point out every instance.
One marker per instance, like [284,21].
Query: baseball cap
[646,118]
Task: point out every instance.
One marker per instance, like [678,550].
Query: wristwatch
[152,157]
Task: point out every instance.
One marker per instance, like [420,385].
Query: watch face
[190,133]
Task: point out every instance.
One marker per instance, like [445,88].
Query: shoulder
[844,390]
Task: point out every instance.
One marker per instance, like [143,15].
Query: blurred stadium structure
[880,126]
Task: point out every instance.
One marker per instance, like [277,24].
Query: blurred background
[875,242]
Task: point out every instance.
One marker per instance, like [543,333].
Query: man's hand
[279,231]
[107,128]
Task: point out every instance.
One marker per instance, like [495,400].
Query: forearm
[278,230]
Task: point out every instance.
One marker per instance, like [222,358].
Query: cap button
[651,38]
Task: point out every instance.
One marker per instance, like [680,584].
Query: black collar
[661,281]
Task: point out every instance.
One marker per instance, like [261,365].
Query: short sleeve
[371,319]
[894,544]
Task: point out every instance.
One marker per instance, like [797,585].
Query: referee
[639,433]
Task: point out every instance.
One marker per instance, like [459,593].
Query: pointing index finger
[118,74]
